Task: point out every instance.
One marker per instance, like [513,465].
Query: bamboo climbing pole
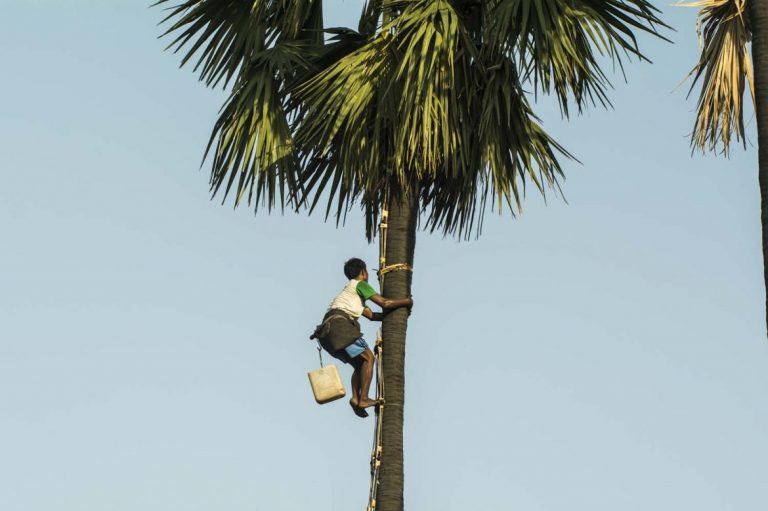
[377,448]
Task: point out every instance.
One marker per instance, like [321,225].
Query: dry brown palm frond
[724,68]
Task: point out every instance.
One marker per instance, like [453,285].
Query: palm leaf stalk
[424,105]
[724,70]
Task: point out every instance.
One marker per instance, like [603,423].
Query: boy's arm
[374,316]
[366,292]
[379,316]
[387,304]
[391,303]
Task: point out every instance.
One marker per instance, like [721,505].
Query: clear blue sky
[153,344]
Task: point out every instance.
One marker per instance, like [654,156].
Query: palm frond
[509,147]
[437,82]
[724,69]
[370,17]
[223,33]
[341,127]
[559,43]
[264,45]
[226,34]
[253,141]
[296,19]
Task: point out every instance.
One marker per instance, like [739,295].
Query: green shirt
[365,291]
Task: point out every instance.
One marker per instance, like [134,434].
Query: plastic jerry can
[326,384]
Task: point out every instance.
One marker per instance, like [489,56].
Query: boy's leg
[355,400]
[355,362]
[366,376]
[355,382]
[361,358]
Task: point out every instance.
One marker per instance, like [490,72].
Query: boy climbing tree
[339,334]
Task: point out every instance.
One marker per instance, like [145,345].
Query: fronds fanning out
[559,42]
[254,146]
[261,46]
[419,104]
[225,34]
[426,97]
[724,69]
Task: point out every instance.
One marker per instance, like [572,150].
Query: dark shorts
[352,351]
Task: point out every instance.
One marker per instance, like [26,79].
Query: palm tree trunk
[401,241]
[758,16]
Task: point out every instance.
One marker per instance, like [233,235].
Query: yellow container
[326,384]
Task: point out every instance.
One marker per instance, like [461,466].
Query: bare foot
[367,403]
[355,408]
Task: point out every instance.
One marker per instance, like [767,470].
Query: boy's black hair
[353,267]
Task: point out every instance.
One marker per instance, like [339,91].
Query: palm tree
[724,70]
[758,12]
[421,109]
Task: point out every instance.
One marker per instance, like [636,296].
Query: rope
[383,267]
[394,267]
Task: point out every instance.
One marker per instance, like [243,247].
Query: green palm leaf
[559,42]
[253,140]
[264,45]
[226,34]
[342,130]
[223,33]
